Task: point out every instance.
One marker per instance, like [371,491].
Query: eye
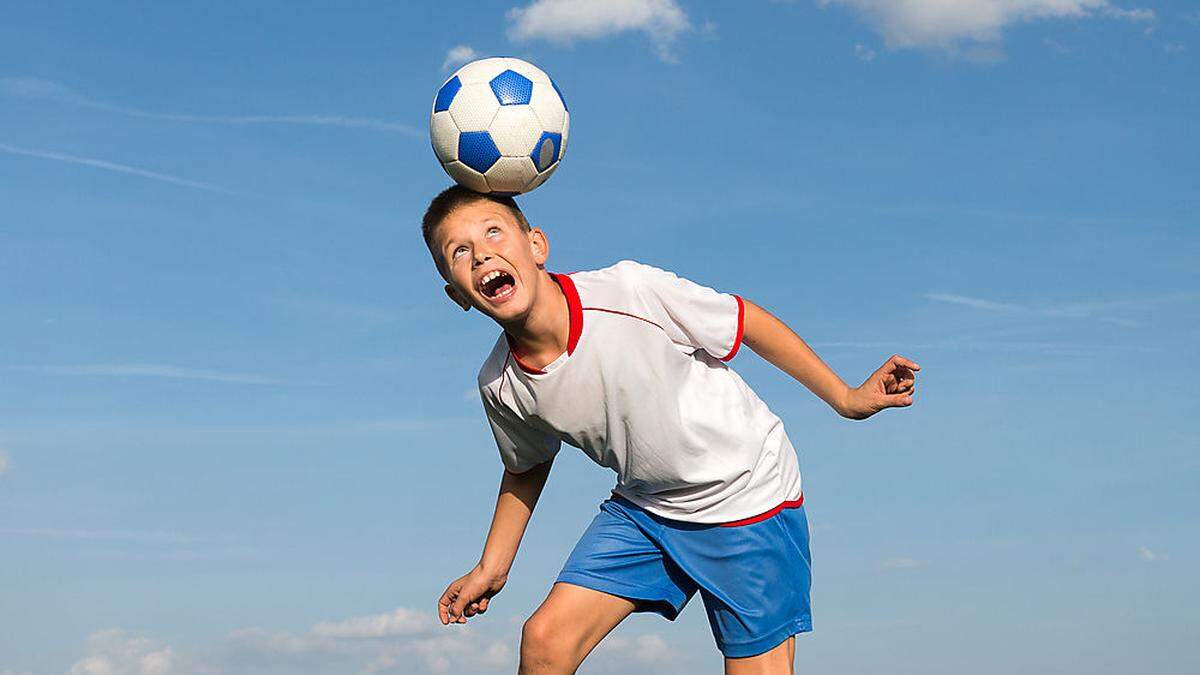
[493,229]
[458,251]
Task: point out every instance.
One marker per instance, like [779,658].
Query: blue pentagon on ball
[512,88]
[445,95]
[547,150]
[477,150]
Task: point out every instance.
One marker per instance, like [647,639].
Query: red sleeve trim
[763,516]
[737,340]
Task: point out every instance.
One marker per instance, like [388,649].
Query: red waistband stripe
[763,516]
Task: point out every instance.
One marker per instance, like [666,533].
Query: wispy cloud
[637,649]
[459,55]
[1069,310]
[3,461]
[400,621]
[335,308]
[118,652]
[409,424]
[567,21]
[900,563]
[402,640]
[1151,556]
[37,88]
[949,25]
[864,53]
[104,535]
[148,370]
[983,345]
[112,166]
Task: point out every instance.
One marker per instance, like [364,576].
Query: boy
[627,364]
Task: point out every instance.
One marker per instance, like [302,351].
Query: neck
[544,333]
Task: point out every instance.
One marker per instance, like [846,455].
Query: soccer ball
[499,126]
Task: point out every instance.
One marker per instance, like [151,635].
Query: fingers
[464,605]
[458,609]
[444,605]
[901,400]
[897,363]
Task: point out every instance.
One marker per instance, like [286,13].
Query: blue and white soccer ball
[499,126]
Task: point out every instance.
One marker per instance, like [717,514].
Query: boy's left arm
[891,386]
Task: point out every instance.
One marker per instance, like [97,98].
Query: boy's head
[486,251]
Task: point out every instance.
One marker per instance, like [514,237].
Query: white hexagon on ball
[515,130]
[474,107]
[444,133]
[467,177]
[511,174]
[483,70]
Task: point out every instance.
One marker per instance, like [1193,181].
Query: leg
[568,625]
[778,661]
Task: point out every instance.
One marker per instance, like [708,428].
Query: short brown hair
[454,197]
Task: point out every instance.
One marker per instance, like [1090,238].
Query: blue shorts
[754,578]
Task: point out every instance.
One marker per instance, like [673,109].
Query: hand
[891,386]
[468,595]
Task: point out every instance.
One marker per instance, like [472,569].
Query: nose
[481,257]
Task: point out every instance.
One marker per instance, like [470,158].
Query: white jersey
[643,390]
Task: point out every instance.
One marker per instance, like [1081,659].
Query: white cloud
[459,55]
[164,538]
[1069,310]
[650,648]
[111,166]
[401,621]
[1150,556]
[1174,48]
[116,652]
[401,642]
[4,462]
[36,88]
[900,563]
[948,24]
[148,370]
[864,53]
[565,21]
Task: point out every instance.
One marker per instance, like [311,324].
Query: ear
[540,246]
[458,299]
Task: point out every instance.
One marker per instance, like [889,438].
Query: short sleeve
[690,313]
[521,445]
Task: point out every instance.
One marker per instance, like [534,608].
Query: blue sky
[237,430]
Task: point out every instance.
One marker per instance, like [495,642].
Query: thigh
[575,618]
[778,661]
[754,580]
[618,556]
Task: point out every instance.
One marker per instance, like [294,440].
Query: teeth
[489,276]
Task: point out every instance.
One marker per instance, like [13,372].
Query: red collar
[574,315]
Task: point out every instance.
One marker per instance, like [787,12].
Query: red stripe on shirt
[632,316]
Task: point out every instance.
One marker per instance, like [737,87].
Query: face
[489,262]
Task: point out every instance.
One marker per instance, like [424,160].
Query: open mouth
[497,285]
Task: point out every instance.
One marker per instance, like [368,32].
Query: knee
[545,646]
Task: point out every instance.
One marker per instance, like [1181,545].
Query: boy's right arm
[469,594]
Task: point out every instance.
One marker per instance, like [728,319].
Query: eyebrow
[489,219]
